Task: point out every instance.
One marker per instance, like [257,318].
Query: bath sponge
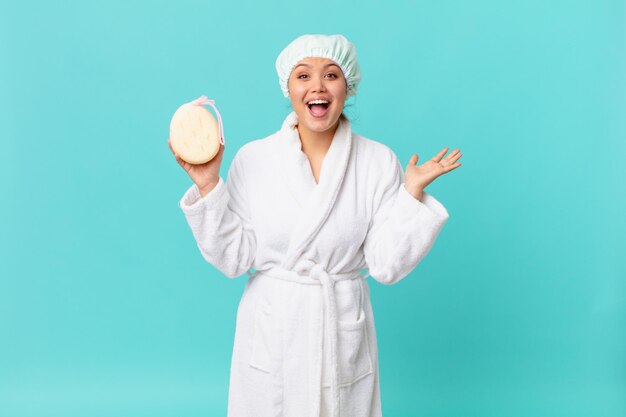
[194,133]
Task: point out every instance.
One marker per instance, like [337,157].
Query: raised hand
[417,177]
[206,176]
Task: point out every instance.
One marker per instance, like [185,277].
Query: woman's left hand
[417,177]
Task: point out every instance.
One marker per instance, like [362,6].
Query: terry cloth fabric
[305,341]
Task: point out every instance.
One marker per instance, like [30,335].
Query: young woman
[310,208]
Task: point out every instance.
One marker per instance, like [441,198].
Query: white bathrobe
[305,342]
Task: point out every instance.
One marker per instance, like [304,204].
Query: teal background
[107,307]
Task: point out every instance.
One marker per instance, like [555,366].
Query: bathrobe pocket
[355,361]
[260,357]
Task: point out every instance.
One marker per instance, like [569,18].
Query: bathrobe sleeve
[402,229]
[221,223]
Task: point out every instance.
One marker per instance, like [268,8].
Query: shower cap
[334,47]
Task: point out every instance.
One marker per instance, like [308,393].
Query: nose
[318,83]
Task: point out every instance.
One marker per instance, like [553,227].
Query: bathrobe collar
[315,200]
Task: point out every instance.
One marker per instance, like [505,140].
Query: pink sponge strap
[204,100]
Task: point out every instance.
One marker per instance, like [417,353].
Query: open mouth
[318,109]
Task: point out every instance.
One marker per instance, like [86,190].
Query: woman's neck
[316,144]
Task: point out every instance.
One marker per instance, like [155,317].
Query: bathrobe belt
[319,276]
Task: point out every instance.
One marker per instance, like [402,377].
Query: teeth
[317,102]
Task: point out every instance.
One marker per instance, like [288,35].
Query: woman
[309,207]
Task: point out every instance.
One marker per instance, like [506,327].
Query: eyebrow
[327,65]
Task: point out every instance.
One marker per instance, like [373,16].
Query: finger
[453,167]
[178,158]
[452,158]
[440,155]
[413,159]
[452,154]
[456,157]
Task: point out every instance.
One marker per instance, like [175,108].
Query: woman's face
[317,78]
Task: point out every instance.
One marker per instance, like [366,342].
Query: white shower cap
[334,47]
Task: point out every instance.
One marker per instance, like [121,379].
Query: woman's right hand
[205,176]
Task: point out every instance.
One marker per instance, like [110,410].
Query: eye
[301,75]
[333,74]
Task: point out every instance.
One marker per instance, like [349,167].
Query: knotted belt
[319,276]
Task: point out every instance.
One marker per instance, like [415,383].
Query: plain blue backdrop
[107,307]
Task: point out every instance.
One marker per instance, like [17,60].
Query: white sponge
[194,133]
